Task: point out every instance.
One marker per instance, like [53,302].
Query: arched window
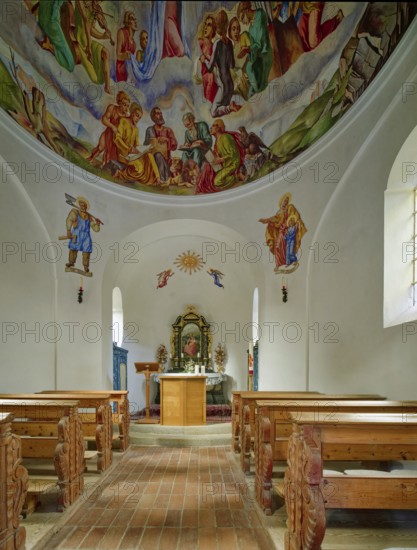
[400,237]
[117,319]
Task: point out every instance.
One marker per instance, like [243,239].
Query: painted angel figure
[163,277]
[217,275]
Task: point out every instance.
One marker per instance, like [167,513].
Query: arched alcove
[149,310]
[399,237]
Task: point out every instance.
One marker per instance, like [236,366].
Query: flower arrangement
[189,366]
[220,358]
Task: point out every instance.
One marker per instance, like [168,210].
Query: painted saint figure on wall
[283,234]
[79,222]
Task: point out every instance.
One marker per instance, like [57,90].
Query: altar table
[183,399]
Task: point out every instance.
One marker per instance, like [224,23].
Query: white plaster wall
[349,293]
[337,186]
[27,294]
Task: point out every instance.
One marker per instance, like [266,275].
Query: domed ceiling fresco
[188,98]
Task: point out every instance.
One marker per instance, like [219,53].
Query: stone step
[210,435]
[216,428]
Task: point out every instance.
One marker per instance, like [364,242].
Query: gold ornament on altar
[161,355]
[189,262]
[220,358]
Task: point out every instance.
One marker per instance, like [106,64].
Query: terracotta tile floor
[162,498]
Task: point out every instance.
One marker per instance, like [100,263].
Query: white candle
[203,369]
[195,369]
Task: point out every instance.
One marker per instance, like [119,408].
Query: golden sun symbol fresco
[189,262]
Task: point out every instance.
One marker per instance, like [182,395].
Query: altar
[214,386]
[183,399]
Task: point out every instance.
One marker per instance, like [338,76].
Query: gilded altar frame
[190,340]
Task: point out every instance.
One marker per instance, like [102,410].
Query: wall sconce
[80,291]
[284,291]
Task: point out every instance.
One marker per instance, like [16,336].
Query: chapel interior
[293,273]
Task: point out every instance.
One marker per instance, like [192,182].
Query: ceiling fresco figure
[286,36]
[88,17]
[143,42]
[167,24]
[260,51]
[49,19]
[201,73]
[163,141]
[241,44]
[310,26]
[125,44]
[111,118]
[197,140]
[222,60]
[137,165]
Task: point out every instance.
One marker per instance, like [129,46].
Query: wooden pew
[49,430]
[240,398]
[97,426]
[309,491]
[13,483]
[248,414]
[274,427]
[121,417]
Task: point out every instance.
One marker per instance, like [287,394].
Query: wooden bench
[310,490]
[121,412]
[248,414]
[274,427]
[97,425]
[51,431]
[240,398]
[14,484]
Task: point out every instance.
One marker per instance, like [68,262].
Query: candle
[203,369]
[196,369]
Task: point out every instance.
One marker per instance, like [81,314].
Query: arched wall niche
[400,299]
[150,311]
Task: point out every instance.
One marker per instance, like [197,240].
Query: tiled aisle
[165,498]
